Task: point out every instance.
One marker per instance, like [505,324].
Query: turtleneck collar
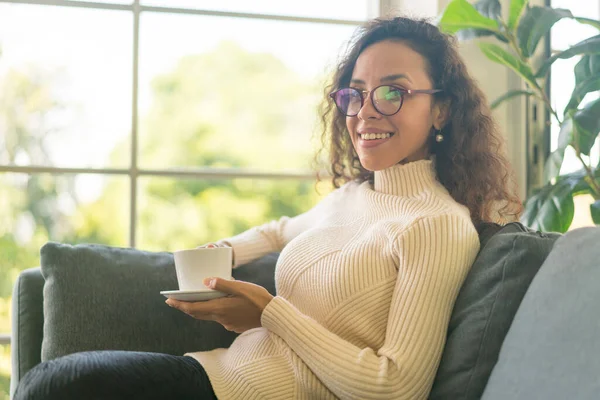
[406,179]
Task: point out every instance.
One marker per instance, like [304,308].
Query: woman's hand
[238,312]
[221,244]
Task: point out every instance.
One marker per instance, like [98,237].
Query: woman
[367,279]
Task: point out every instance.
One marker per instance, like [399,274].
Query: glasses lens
[349,101]
[387,99]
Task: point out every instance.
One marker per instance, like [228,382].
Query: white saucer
[193,295]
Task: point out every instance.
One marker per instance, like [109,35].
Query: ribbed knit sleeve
[273,236]
[434,256]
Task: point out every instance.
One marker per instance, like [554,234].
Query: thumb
[223,285]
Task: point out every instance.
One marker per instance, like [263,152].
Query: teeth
[373,136]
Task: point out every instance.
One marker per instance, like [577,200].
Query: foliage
[550,208]
[4,372]
[225,109]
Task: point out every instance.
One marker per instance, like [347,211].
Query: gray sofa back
[31,300]
[552,350]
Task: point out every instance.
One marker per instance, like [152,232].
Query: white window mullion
[133,171]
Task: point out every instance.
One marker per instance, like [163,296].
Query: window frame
[549,50]
[134,172]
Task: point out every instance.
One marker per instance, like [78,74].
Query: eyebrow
[389,78]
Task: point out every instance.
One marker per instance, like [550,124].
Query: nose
[367,110]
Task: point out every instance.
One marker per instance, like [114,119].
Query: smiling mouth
[375,136]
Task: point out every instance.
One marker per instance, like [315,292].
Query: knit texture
[366,282]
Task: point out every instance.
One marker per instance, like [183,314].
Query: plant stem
[541,92]
[513,41]
[542,95]
[590,174]
[547,102]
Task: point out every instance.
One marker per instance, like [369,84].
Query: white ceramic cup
[193,265]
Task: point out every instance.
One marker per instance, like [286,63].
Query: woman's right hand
[211,245]
[223,244]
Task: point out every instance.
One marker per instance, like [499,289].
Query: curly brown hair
[470,161]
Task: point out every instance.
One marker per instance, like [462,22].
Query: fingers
[212,245]
[199,310]
[225,285]
[207,245]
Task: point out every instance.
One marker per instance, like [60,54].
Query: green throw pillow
[100,297]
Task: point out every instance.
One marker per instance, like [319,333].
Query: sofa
[526,323]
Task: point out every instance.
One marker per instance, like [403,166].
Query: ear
[440,114]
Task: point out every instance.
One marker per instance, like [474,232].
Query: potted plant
[551,207]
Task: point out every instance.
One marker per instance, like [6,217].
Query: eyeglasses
[386,99]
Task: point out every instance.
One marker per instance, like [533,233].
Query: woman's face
[394,63]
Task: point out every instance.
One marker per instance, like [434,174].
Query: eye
[393,95]
[389,93]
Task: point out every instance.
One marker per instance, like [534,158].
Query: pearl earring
[439,137]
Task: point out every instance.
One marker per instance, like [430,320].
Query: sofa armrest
[27,323]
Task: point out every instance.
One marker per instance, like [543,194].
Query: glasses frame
[367,93]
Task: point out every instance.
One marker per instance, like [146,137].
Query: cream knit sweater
[366,281]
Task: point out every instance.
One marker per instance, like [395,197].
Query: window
[117,117]
[566,33]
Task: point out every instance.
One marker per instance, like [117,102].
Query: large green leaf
[553,164]
[535,24]
[587,21]
[555,160]
[587,46]
[460,14]
[490,9]
[509,95]
[586,126]
[516,10]
[595,211]
[551,209]
[501,56]
[469,34]
[587,67]
[591,84]
[565,136]
[578,182]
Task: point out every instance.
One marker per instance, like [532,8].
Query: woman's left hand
[239,312]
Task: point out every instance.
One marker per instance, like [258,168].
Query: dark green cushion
[485,308]
[100,297]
